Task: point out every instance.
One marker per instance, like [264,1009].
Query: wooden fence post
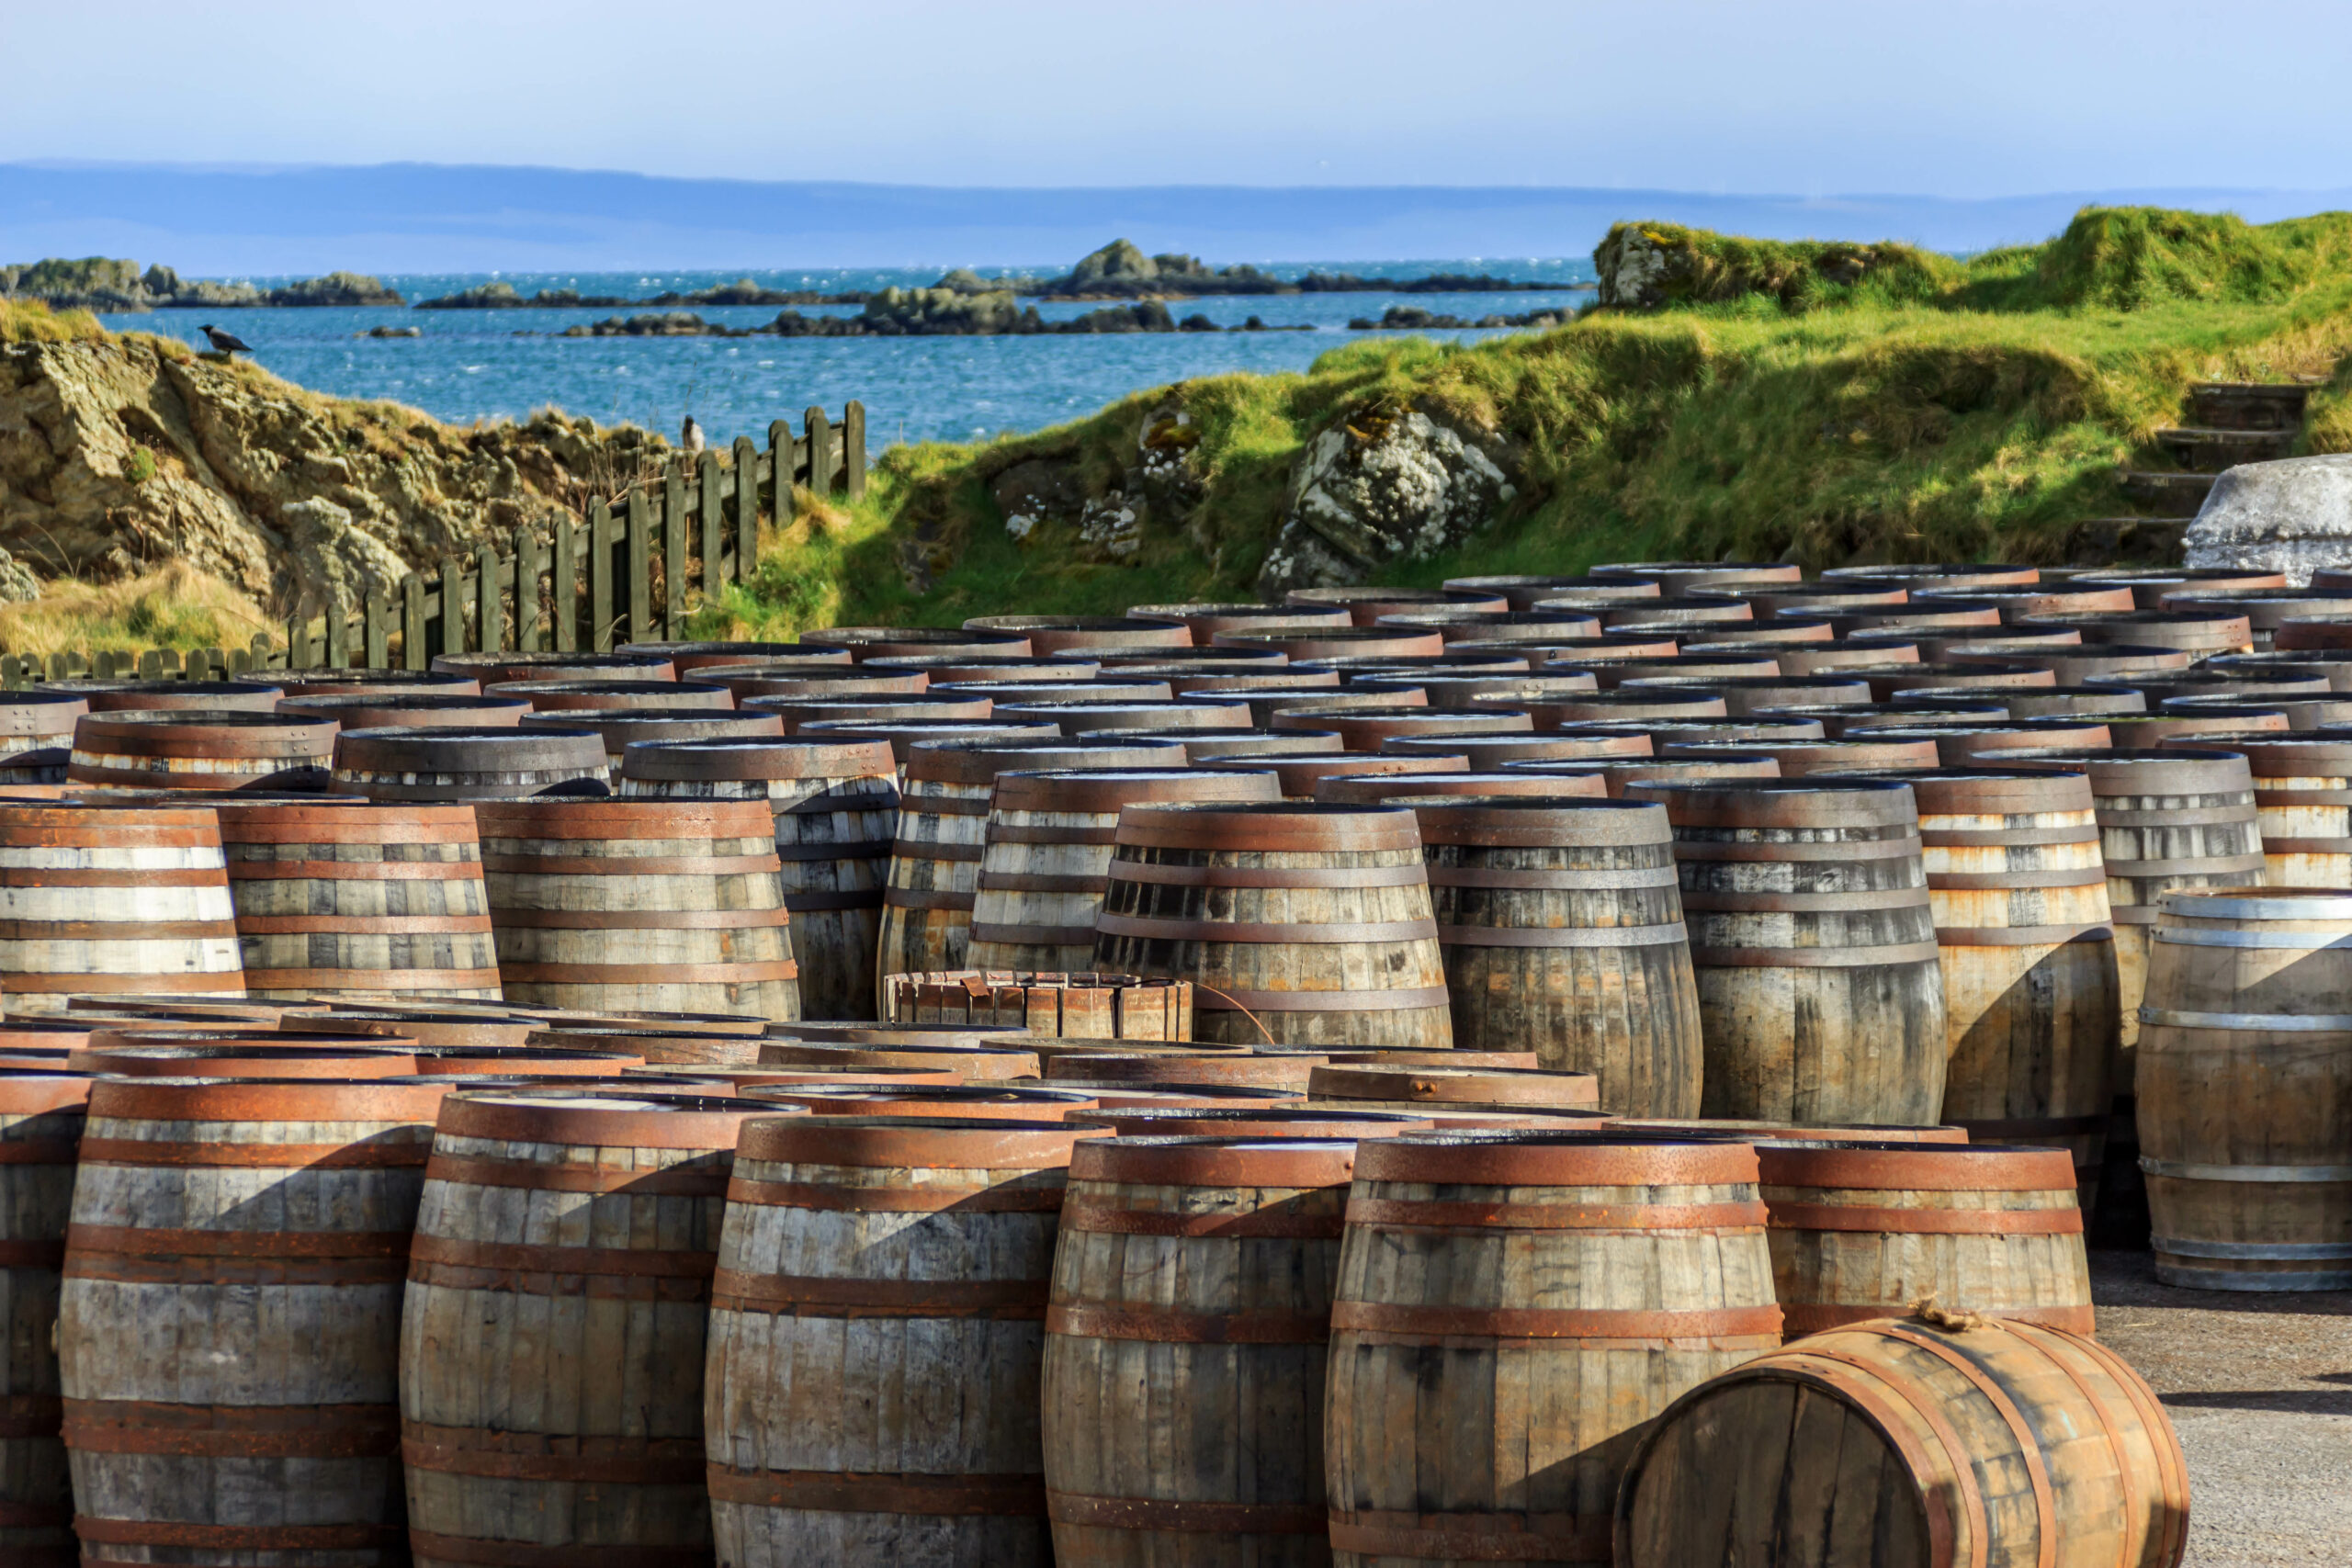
[563,583]
[746,507]
[412,622]
[714,534]
[530,562]
[783,469]
[378,629]
[490,607]
[640,567]
[338,635]
[600,577]
[854,448]
[453,605]
[821,453]
[673,548]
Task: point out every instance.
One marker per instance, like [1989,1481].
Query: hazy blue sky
[1957,99]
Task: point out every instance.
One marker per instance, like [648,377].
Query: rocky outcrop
[944,312]
[100,283]
[2288,516]
[653,324]
[1120,270]
[1413,319]
[120,455]
[1381,485]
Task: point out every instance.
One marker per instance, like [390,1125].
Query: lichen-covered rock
[1037,490]
[18,584]
[120,455]
[1380,486]
[2288,516]
[1110,531]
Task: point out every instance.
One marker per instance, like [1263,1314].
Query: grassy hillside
[1821,403]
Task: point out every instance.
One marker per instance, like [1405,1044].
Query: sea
[493,365]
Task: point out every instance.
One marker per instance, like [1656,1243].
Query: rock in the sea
[394,331]
[1381,485]
[2288,516]
[340,290]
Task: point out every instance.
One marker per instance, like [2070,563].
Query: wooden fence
[626,573]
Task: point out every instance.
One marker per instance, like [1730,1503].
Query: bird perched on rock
[691,438]
[225,343]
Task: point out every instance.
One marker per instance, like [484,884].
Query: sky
[1963,98]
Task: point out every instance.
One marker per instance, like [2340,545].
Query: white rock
[2288,516]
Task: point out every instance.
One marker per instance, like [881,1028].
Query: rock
[2287,516]
[329,559]
[1381,485]
[1110,532]
[500,295]
[655,324]
[344,290]
[98,283]
[928,312]
[18,584]
[1165,470]
[1035,491]
[394,331]
[1638,268]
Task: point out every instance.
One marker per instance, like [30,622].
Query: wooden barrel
[749,680]
[423,1022]
[1958,745]
[37,735]
[343,897]
[687,658]
[795,712]
[1799,758]
[1146,717]
[2244,1077]
[200,749]
[1751,1132]
[863,643]
[491,668]
[229,1333]
[942,822]
[1473,693]
[2200,634]
[1106,687]
[368,710]
[1299,924]
[40,1123]
[1204,620]
[549,697]
[1641,700]
[1916,576]
[467,762]
[1312,1122]
[1750,694]
[904,735]
[862,1257]
[132,1050]
[1271,1067]
[1561,926]
[1438,1087]
[1298,773]
[1210,745]
[2028,950]
[1367,603]
[1910,1442]
[1186,1346]
[669,904]
[1549,1262]
[1049,635]
[1046,857]
[100,898]
[1403,789]
[836,811]
[1820,996]
[1485,752]
[2303,806]
[982,1101]
[584,1223]
[2303,710]
[995,1062]
[1863,1230]
[659,1047]
[620,729]
[131,696]
[1616,774]
[1499,625]
[344,681]
[1363,729]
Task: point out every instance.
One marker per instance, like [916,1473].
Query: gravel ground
[2260,1388]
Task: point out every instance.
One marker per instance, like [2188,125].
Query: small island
[101,283]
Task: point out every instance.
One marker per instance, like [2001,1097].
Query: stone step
[2168,495]
[2126,541]
[2210,449]
[2249,405]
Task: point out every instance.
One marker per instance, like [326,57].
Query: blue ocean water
[472,365]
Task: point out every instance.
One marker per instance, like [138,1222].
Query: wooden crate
[1109,1007]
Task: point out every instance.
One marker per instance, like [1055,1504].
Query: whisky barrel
[1100,687]
[2265,609]
[2303,806]
[1297,924]
[1312,1122]
[368,710]
[1298,773]
[2243,1077]
[2306,710]
[1186,1338]
[1062,1005]
[1049,635]
[1958,745]
[904,735]
[35,721]
[2028,948]
[1360,641]
[2052,601]
[943,820]
[1561,927]
[863,1256]
[1287,1067]
[1205,620]
[102,898]
[1684,576]
[1820,996]
[1489,626]
[687,658]
[984,1061]
[344,681]
[1546,1264]
[795,712]
[1473,693]
[1799,758]
[549,697]
[584,1222]
[237,1008]
[490,668]
[1489,751]
[667,904]
[133,696]
[1363,729]
[229,1332]
[835,805]
[1171,717]
[1523,592]
[1368,602]
[1616,774]
[2101,662]
[981,1102]
[659,1046]
[1395,1085]
[620,729]
[131,1049]
[200,749]
[41,1124]
[1860,1230]
[1632,701]
[1911,1442]
[1748,694]
[1753,1132]
[1207,745]
[2200,632]
[1917,576]
[467,762]
[949,670]
[1403,789]
[749,680]
[1046,860]
[342,896]
[424,1023]
[863,643]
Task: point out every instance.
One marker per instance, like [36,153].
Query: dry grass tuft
[30,321]
[176,606]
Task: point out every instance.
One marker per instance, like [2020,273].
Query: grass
[176,606]
[30,321]
[1923,409]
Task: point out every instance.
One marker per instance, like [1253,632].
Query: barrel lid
[1479,1086]
[915,639]
[1330,641]
[1637,698]
[490,667]
[465,747]
[1277,826]
[686,655]
[796,757]
[622,728]
[1109,789]
[618,692]
[1295,1159]
[262,1097]
[127,696]
[977,760]
[602,1115]
[1255,1121]
[1922,1168]
[989,1101]
[917,1143]
[333,680]
[1409,790]
[1539,822]
[1544,1158]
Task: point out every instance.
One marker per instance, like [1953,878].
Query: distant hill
[408,218]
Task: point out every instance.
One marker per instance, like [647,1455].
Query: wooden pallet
[1102,1007]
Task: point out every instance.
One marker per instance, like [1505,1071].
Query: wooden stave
[1820,989]
[467,762]
[146,1487]
[1361,864]
[646,1175]
[41,1116]
[2079,1441]
[999,1240]
[199,749]
[1627,1013]
[1404,1291]
[709,934]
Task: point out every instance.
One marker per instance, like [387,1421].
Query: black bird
[225,343]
